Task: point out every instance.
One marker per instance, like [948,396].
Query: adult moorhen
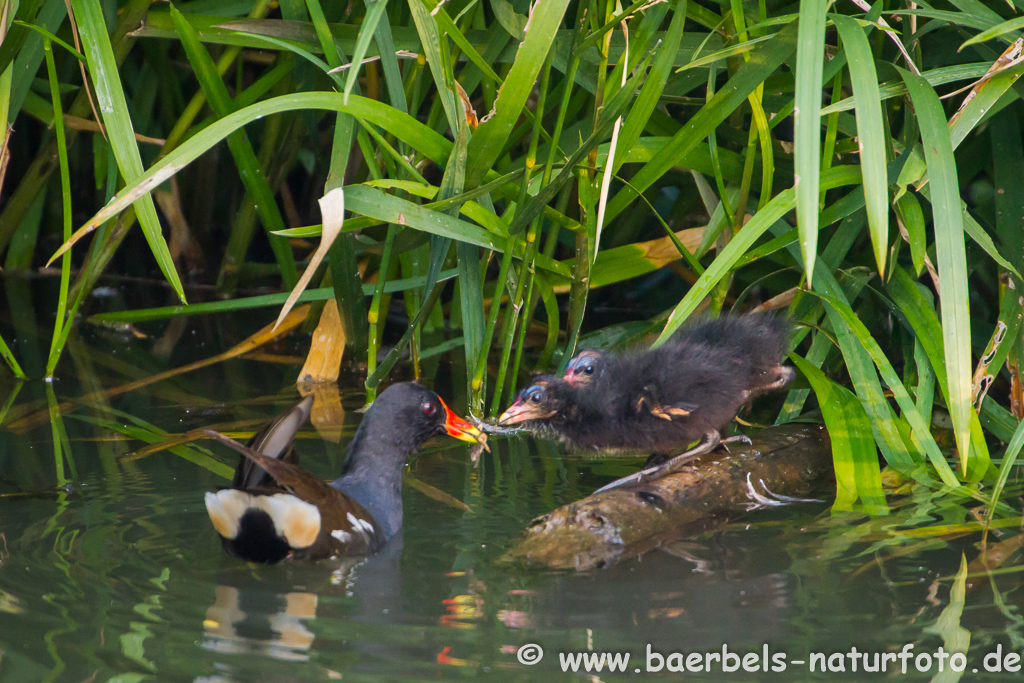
[662,399]
[276,510]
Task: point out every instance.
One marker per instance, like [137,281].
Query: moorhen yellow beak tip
[462,430]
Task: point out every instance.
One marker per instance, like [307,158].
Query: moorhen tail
[761,338]
[276,440]
[275,510]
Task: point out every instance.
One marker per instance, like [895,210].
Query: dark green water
[110,570]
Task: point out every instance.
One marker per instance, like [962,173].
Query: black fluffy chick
[660,400]
[760,342]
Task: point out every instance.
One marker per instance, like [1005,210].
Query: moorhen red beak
[458,428]
[275,510]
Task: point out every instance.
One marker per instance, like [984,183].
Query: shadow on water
[110,571]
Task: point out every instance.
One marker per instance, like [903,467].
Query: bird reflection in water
[282,634]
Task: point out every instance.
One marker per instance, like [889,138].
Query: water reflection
[119,577]
[258,629]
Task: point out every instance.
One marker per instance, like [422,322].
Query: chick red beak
[570,376]
[521,411]
[460,429]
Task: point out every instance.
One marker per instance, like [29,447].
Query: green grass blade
[980,105]
[807,126]
[371,202]
[430,38]
[389,64]
[374,11]
[654,86]
[853,448]
[951,255]
[920,314]
[887,428]
[149,433]
[262,301]
[889,376]
[10,360]
[491,135]
[249,170]
[1009,459]
[779,206]
[427,142]
[65,187]
[112,104]
[1009,26]
[870,133]
[762,64]
[938,76]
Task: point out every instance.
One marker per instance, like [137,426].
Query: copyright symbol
[530,654]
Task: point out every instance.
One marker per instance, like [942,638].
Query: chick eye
[588,370]
[429,409]
[535,397]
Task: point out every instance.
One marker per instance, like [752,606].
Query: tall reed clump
[503,163]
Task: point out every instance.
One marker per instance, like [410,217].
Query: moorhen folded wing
[276,510]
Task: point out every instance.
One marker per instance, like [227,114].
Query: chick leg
[707,444]
[739,438]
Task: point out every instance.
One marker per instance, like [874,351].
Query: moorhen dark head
[276,510]
[544,398]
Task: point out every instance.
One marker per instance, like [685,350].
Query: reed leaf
[103,68]
[951,256]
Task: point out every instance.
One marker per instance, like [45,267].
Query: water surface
[110,570]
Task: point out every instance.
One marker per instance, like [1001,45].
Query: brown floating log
[628,521]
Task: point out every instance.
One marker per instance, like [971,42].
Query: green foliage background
[860,164]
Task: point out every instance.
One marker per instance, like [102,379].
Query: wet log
[789,460]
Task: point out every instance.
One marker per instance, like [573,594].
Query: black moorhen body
[276,510]
[662,399]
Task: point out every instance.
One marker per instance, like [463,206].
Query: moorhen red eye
[276,510]
[660,400]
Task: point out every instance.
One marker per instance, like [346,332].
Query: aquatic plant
[504,163]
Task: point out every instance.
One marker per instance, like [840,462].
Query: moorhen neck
[275,510]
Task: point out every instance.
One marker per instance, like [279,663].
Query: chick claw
[739,438]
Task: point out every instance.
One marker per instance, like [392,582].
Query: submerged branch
[785,461]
